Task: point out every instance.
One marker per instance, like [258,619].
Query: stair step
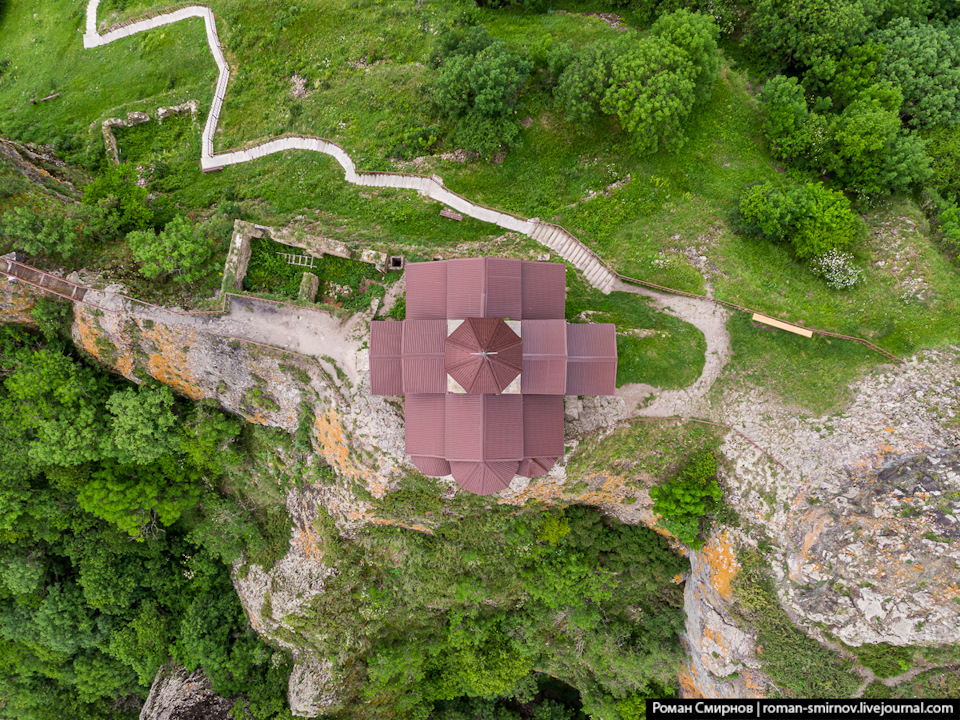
[540,232]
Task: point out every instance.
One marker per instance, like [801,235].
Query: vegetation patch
[353,283]
[652,347]
[799,665]
[570,581]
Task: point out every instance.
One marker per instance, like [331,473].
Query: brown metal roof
[542,425]
[536,467]
[423,356]
[592,359]
[482,437]
[484,355]
[503,291]
[484,427]
[431,466]
[544,357]
[484,478]
[426,290]
[466,287]
[386,373]
[543,290]
[424,421]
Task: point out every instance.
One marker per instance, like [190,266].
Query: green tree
[822,220]
[142,425]
[923,61]
[50,232]
[869,151]
[696,34]
[55,403]
[140,498]
[116,193]
[794,133]
[143,644]
[652,92]
[812,218]
[943,148]
[586,79]
[809,33]
[179,250]
[684,501]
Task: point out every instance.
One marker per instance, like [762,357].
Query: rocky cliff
[861,508]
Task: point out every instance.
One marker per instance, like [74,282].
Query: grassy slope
[670,203]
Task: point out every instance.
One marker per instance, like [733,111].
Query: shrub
[688,498]
[943,147]
[695,34]
[837,268]
[822,220]
[921,60]
[478,94]
[177,249]
[39,233]
[585,79]
[118,187]
[813,218]
[793,132]
[869,150]
[763,212]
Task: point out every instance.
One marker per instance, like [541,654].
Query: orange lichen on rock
[169,364]
[688,684]
[332,444]
[613,489]
[397,523]
[308,541]
[809,539]
[16,302]
[86,331]
[722,559]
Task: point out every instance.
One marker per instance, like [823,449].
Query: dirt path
[301,330]
[708,318]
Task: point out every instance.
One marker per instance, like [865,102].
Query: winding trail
[704,314]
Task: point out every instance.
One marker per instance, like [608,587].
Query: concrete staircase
[574,252]
[553,236]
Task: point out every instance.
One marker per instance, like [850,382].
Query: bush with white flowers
[837,268]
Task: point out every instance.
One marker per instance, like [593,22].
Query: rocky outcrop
[723,662]
[878,562]
[311,689]
[178,694]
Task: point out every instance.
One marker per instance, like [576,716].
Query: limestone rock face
[311,690]
[177,694]
[723,663]
[879,561]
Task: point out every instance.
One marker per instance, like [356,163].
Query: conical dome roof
[483,355]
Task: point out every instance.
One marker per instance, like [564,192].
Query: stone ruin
[138,118]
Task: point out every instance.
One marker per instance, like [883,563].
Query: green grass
[367,79]
[811,374]
[655,447]
[884,659]
[673,354]
[44,46]
[765,277]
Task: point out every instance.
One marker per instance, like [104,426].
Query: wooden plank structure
[451,214]
[782,325]
[298,260]
[34,101]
